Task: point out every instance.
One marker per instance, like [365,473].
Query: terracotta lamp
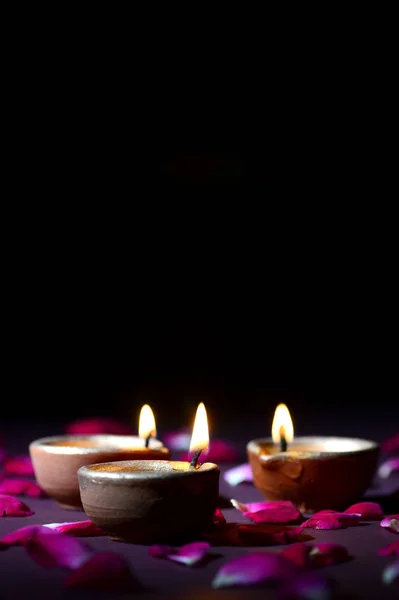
[315,473]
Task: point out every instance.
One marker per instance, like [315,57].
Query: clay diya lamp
[56,459]
[153,501]
[315,473]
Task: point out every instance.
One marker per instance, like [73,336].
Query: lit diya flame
[282,428]
[200,436]
[147,428]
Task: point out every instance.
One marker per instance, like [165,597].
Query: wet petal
[369,511]
[332,521]
[104,571]
[280,511]
[391,573]
[388,467]
[391,445]
[177,440]
[18,465]
[76,528]
[390,549]
[391,523]
[21,487]
[240,474]
[254,568]
[189,555]
[96,425]
[220,451]
[12,507]
[218,517]
[306,586]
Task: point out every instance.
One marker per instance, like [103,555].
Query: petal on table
[369,511]
[298,554]
[97,425]
[21,487]
[13,507]
[189,555]
[390,549]
[254,568]
[391,445]
[391,522]
[391,573]
[326,553]
[240,474]
[178,440]
[306,586]
[280,511]
[76,528]
[332,521]
[388,467]
[104,571]
[220,451]
[218,517]
[266,535]
[18,465]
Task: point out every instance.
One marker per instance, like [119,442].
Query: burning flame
[282,425]
[200,435]
[147,422]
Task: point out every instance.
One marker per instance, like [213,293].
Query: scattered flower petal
[298,554]
[21,487]
[391,445]
[254,568]
[12,507]
[178,440]
[104,571]
[306,586]
[266,535]
[390,549]
[369,511]
[218,517]
[332,521]
[189,555]
[240,474]
[97,425]
[47,547]
[280,511]
[316,555]
[388,467]
[76,528]
[18,465]
[391,573]
[391,523]
[220,451]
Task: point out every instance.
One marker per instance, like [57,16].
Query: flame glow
[282,423]
[147,422]
[200,435]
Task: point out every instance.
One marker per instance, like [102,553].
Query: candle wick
[283,443]
[147,440]
[194,460]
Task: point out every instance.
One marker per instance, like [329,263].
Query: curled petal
[369,511]
[391,523]
[388,467]
[391,445]
[218,517]
[189,555]
[178,440]
[332,521]
[254,568]
[76,528]
[220,451]
[104,571]
[12,507]
[280,511]
[21,487]
[306,586]
[18,465]
[240,474]
[96,425]
[391,573]
[390,549]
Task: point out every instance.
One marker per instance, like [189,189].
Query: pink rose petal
[97,425]
[332,521]
[280,511]
[21,487]
[104,571]
[220,451]
[391,573]
[391,522]
[390,549]
[189,555]
[240,474]
[178,440]
[369,511]
[218,517]
[76,528]
[316,555]
[388,467]
[254,568]
[268,535]
[18,465]
[306,586]
[391,445]
[12,507]
[47,547]
[298,554]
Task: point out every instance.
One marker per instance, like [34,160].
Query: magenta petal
[240,474]
[390,549]
[391,445]
[391,522]
[388,467]
[189,555]
[104,571]
[18,465]
[266,535]
[369,511]
[97,425]
[76,528]
[254,568]
[218,517]
[298,554]
[306,586]
[177,440]
[12,507]
[280,511]
[391,573]
[332,521]
[21,487]
[326,553]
